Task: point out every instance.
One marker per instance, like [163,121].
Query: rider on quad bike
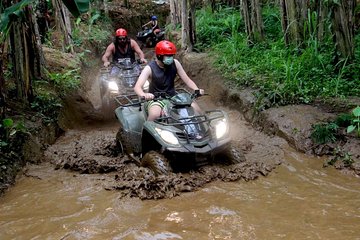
[154,24]
[165,130]
[151,36]
[120,75]
[162,72]
[122,47]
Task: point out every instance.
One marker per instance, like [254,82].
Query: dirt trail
[91,148]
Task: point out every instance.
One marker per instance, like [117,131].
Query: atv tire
[108,106]
[156,162]
[232,156]
[121,142]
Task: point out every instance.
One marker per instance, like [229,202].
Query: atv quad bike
[148,38]
[118,78]
[180,140]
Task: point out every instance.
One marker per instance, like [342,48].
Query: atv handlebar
[121,64]
[135,100]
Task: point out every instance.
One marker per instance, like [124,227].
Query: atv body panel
[197,144]
[187,139]
[131,121]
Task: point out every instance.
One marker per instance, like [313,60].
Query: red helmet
[165,47]
[121,32]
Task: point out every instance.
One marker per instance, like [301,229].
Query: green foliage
[339,155]
[8,129]
[77,7]
[355,122]
[66,82]
[324,133]
[282,74]
[343,120]
[216,27]
[7,17]
[93,30]
[47,106]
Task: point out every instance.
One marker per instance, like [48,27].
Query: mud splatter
[94,150]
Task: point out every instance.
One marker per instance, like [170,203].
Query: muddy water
[298,200]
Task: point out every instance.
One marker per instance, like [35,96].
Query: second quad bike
[118,78]
[179,140]
[148,38]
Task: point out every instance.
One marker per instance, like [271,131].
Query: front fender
[131,118]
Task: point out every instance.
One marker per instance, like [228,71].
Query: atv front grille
[192,137]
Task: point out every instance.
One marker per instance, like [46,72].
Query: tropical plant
[324,133]
[17,21]
[8,129]
[355,122]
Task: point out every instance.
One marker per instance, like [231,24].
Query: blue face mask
[168,60]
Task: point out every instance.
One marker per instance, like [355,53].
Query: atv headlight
[146,86]
[221,128]
[167,136]
[113,87]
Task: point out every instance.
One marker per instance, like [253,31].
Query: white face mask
[168,60]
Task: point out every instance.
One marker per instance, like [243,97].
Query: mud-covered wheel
[142,45]
[108,106]
[149,42]
[121,143]
[232,155]
[157,162]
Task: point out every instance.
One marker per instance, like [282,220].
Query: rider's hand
[143,60]
[148,96]
[202,91]
[106,64]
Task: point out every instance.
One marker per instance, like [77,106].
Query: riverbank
[294,123]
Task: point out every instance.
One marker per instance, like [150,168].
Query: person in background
[154,24]
[162,72]
[122,47]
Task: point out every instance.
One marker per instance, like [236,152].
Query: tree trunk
[251,12]
[322,12]
[343,27]
[37,46]
[185,40]
[62,20]
[293,17]
[18,48]
[127,4]
[2,83]
[175,12]
[192,23]
[106,8]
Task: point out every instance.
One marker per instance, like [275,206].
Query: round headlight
[221,128]
[167,136]
[113,87]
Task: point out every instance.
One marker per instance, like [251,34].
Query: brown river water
[298,200]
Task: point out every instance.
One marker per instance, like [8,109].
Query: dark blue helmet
[154,17]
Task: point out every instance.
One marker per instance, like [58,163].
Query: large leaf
[77,7]
[9,13]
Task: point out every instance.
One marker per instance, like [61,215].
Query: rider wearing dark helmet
[154,24]
[162,72]
[122,47]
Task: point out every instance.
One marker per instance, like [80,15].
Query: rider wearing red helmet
[162,72]
[122,47]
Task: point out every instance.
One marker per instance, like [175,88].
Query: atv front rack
[170,121]
[128,100]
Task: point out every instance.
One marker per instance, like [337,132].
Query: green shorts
[160,103]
